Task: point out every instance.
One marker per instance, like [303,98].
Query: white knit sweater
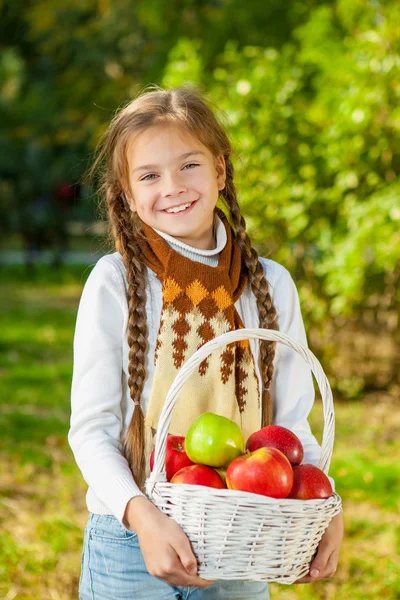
[100,400]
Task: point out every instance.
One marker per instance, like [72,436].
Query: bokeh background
[309,92]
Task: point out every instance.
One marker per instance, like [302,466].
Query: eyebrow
[186,155]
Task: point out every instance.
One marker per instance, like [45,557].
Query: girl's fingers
[331,565]
[188,561]
[321,570]
[328,554]
[187,558]
[179,577]
[199,582]
[319,563]
[317,566]
[326,559]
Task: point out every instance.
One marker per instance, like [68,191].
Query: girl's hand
[165,547]
[325,561]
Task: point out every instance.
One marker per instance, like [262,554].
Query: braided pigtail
[259,286]
[126,242]
[186,109]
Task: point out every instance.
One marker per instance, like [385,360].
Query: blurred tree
[66,65]
[317,128]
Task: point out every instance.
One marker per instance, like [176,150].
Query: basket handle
[158,473]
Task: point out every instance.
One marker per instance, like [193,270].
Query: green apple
[222,474]
[214,440]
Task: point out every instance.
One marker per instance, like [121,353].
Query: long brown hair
[187,109]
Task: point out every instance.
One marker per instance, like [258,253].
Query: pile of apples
[214,454]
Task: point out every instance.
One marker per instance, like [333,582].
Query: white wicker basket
[239,535]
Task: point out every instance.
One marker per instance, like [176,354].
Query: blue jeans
[113,569]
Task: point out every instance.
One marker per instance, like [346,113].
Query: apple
[199,475]
[214,440]
[222,474]
[309,483]
[275,436]
[175,456]
[265,471]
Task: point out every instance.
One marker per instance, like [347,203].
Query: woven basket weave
[238,535]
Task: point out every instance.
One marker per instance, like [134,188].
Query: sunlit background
[309,93]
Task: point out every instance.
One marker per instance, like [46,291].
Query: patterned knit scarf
[197,306]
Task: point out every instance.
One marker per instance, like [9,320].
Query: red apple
[309,483]
[275,436]
[199,475]
[175,457]
[266,471]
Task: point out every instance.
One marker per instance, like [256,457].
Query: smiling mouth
[179,209]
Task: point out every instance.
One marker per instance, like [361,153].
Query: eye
[148,177]
[191,165]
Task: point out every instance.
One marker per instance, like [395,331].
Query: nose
[173,185]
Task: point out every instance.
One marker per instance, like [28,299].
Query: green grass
[42,494]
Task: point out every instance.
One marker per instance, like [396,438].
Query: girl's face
[174,184]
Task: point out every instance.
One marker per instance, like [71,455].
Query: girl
[184,271]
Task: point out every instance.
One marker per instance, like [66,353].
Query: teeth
[178,208]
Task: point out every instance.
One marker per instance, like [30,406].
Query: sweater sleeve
[292,386]
[96,419]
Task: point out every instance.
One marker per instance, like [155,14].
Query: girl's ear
[129,201]
[220,167]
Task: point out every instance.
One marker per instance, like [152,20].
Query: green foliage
[66,66]
[316,128]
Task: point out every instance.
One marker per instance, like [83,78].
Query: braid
[259,286]
[185,108]
[126,243]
